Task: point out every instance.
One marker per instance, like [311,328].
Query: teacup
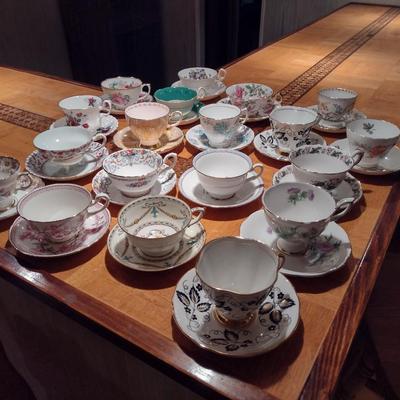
[221,123]
[197,77]
[59,211]
[149,121]
[85,111]
[374,137]
[237,274]
[155,225]
[335,104]
[135,171]
[291,126]
[124,91]
[66,145]
[11,179]
[299,212]
[324,166]
[222,173]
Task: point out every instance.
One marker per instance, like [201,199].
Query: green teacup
[177,98]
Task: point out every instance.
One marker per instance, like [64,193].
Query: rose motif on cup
[120,99]
[76,120]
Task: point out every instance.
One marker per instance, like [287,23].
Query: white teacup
[374,137]
[200,77]
[11,179]
[335,104]
[85,111]
[135,171]
[66,145]
[59,211]
[299,212]
[222,173]
[221,123]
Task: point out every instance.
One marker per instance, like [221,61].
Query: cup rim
[232,87]
[175,100]
[103,85]
[351,124]
[351,91]
[235,238]
[295,108]
[14,170]
[219,105]
[146,104]
[212,71]
[78,96]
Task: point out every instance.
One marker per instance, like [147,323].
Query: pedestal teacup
[200,77]
[59,211]
[335,104]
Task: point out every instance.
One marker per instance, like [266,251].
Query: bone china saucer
[127,255]
[327,253]
[101,183]
[265,143]
[41,166]
[211,91]
[350,187]
[389,164]
[197,137]
[189,187]
[31,243]
[277,319]
[121,111]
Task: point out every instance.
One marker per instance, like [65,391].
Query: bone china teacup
[59,211]
[149,121]
[335,104]
[324,166]
[222,172]
[200,77]
[135,171]
[238,275]
[155,225]
[299,212]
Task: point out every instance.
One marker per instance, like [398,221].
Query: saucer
[32,244]
[12,211]
[265,143]
[350,186]
[172,138]
[109,124]
[197,137]
[101,183]
[121,111]
[127,255]
[327,253]
[190,188]
[190,118]
[388,165]
[194,316]
[336,127]
[40,165]
[211,91]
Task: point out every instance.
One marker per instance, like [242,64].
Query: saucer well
[327,253]
[197,137]
[265,143]
[101,183]
[172,138]
[211,91]
[190,188]
[41,166]
[277,319]
[388,165]
[350,187]
[121,111]
[124,253]
[31,243]
[109,124]
[12,211]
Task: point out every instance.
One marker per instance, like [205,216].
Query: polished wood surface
[137,306]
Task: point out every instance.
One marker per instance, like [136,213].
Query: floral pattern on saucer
[126,254]
[211,91]
[142,98]
[197,137]
[277,319]
[31,243]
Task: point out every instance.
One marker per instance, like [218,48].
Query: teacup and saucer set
[151,126]
[66,153]
[14,184]
[336,108]
[377,139]
[133,173]
[202,79]
[156,233]
[221,126]
[291,129]
[59,220]
[222,179]
[235,302]
[298,220]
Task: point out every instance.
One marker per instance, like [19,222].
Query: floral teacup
[200,77]
[335,104]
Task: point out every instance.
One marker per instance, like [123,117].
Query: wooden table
[132,310]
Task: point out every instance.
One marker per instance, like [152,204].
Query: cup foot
[231,323]
[158,256]
[291,248]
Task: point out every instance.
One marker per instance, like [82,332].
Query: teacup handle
[146,85]
[345,204]
[201,93]
[277,99]
[357,156]
[201,211]
[221,74]
[106,106]
[257,175]
[102,199]
[173,115]
[20,184]
[243,119]
[173,158]
[281,260]
[101,137]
